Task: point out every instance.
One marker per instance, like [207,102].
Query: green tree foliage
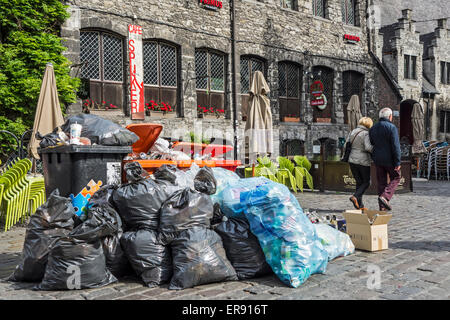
[29,39]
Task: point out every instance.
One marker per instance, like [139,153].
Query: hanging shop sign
[211,4]
[351,38]
[318,99]
[136,72]
[316,88]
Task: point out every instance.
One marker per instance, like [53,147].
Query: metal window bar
[150,52]
[112,58]
[168,65]
[245,75]
[201,69]
[217,72]
[319,8]
[90,54]
[282,92]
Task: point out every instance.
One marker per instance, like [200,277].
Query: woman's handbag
[348,148]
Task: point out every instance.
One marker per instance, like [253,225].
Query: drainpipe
[233,75]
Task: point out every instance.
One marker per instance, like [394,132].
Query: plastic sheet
[149,258]
[242,249]
[287,237]
[185,209]
[101,131]
[52,220]
[199,258]
[75,264]
[335,242]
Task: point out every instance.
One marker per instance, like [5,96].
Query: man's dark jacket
[386,144]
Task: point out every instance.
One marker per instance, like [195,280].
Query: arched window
[210,79]
[326,76]
[292,147]
[161,73]
[102,55]
[289,89]
[353,83]
[349,12]
[249,65]
[319,8]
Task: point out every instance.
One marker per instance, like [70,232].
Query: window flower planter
[291,119]
[104,112]
[162,114]
[323,120]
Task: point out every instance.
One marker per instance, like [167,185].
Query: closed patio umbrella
[48,112]
[258,127]
[417,119]
[353,112]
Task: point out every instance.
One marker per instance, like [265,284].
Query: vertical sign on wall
[136,72]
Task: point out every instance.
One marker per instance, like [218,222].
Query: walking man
[386,156]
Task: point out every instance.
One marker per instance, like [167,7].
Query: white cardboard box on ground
[368,230]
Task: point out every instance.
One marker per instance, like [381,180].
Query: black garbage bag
[242,248]
[103,195]
[116,260]
[217,214]
[101,131]
[51,221]
[150,259]
[102,220]
[184,209]
[139,202]
[75,264]
[199,258]
[205,182]
[49,140]
[166,173]
[135,172]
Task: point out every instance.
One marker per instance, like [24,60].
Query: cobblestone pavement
[417,265]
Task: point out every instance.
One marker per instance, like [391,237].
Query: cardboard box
[368,230]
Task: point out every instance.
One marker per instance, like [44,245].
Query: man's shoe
[383,202]
[354,201]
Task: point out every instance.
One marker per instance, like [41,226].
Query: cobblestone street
[417,265]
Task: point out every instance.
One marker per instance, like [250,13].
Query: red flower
[103,102]
[146,104]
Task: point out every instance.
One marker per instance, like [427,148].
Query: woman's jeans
[362,177]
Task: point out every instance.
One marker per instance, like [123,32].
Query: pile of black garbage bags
[162,228]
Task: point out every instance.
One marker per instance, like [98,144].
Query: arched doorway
[406,128]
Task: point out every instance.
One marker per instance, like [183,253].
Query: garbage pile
[163,150]
[88,129]
[184,228]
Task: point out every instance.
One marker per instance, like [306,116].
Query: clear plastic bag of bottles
[287,237]
[335,242]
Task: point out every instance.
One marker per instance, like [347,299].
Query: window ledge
[289,10]
[322,19]
[349,26]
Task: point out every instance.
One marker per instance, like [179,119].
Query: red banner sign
[351,38]
[317,102]
[211,4]
[136,72]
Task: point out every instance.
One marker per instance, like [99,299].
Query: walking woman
[359,160]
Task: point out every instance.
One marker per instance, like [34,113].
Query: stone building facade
[436,66]
[188,63]
[417,64]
